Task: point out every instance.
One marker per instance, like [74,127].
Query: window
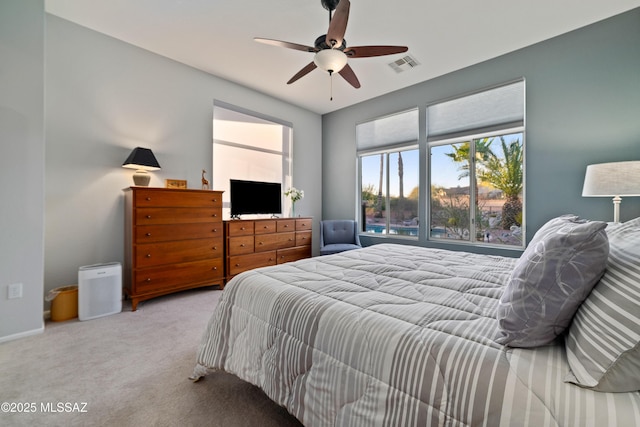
[476,190]
[389,174]
[472,177]
[476,164]
[250,147]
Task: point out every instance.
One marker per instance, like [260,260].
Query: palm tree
[401,174]
[462,154]
[400,214]
[378,212]
[505,174]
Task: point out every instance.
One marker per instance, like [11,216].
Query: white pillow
[603,345]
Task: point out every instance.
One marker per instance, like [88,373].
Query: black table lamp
[142,160]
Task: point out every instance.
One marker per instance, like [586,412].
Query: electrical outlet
[14,290]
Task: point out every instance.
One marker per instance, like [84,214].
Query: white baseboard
[22,334]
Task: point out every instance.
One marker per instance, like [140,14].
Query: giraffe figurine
[205,183]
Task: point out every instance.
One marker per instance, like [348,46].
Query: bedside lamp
[142,160]
[612,180]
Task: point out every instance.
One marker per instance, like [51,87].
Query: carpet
[128,369]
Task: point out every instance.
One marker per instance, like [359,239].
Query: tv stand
[257,243]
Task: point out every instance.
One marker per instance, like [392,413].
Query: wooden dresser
[262,242]
[174,241]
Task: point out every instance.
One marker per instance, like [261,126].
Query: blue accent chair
[338,236]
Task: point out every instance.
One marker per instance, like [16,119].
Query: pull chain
[331,85]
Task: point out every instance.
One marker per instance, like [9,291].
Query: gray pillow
[603,344]
[553,276]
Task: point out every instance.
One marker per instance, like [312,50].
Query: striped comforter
[395,335]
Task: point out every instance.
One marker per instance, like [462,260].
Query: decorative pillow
[603,344]
[553,276]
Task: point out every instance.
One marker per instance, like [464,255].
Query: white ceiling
[216,36]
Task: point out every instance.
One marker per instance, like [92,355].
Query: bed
[398,335]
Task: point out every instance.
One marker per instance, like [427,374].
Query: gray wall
[21,165]
[582,107]
[105,97]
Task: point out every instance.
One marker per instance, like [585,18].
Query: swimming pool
[397,230]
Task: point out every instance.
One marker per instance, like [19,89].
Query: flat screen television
[255,197]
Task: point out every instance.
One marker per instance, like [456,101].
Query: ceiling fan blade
[306,70]
[338,24]
[369,51]
[350,76]
[289,45]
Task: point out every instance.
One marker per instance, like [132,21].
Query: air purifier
[99,290]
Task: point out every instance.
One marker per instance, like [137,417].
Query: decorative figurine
[205,183]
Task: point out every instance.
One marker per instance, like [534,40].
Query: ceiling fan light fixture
[331,60]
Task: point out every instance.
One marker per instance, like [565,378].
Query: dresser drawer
[269,242]
[267,226]
[161,278]
[293,254]
[145,216]
[152,254]
[303,224]
[286,225]
[163,233]
[181,198]
[238,264]
[240,245]
[240,228]
[303,238]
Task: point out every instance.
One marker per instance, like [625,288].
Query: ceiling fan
[331,51]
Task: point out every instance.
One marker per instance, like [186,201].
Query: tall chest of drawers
[262,242]
[174,241]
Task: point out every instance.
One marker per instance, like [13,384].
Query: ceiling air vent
[405,63]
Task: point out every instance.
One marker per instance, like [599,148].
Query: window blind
[479,111]
[388,131]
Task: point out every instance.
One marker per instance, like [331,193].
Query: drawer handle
[237,265]
[242,245]
[290,239]
[261,243]
[215,230]
[215,248]
[214,268]
[148,199]
[148,216]
[286,226]
[242,228]
[214,200]
[148,234]
[148,279]
[148,255]
[214,215]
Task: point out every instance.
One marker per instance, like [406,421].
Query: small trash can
[64,303]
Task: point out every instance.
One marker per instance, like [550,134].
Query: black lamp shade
[141,158]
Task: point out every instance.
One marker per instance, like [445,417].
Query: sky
[448,176]
[447,171]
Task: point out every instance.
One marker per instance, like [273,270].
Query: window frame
[396,148]
[496,132]
[508,100]
[286,152]
[371,147]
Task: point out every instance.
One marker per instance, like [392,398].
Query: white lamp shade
[612,179]
[331,60]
